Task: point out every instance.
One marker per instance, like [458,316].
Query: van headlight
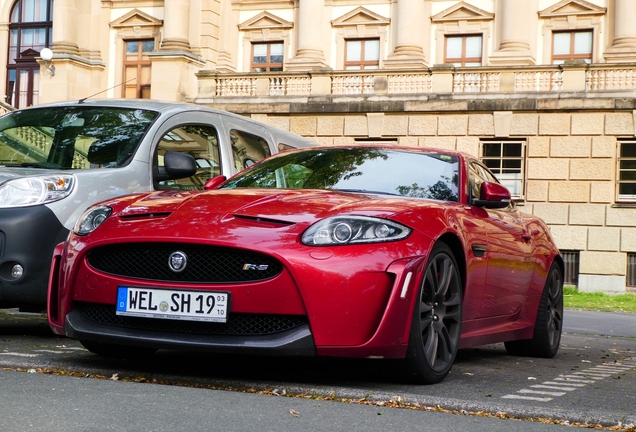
[343,230]
[30,191]
[91,219]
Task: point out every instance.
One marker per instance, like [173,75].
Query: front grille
[238,324]
[205,264]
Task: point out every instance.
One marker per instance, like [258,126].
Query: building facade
[543,91]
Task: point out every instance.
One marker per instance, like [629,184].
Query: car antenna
[120,84]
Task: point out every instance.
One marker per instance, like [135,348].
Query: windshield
[375,170]
[72,137]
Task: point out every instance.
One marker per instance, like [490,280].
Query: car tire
[549,324]
[437,320]
[117,351]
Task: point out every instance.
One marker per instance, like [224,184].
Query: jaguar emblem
[177,261]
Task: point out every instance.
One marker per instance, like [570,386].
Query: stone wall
[570,169]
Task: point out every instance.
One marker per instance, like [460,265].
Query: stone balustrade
[441,79]
[5,108]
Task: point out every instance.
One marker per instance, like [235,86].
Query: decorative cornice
[572,8]
[265,20]
[361,16]
[462,11]
[136,18]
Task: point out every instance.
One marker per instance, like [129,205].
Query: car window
[247,148]
[200,142]
[72,137]
[411,174]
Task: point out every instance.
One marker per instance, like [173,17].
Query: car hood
[10,173]
[272,205]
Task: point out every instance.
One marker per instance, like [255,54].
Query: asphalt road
[592,379]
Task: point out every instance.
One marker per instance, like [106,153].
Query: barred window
[631,270]
[626,182]
[571,261]
[506,160]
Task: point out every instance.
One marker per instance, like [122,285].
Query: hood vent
[160,215]
[263,221]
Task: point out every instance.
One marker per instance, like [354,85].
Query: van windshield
[76,137]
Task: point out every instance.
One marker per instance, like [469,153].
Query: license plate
[173,304]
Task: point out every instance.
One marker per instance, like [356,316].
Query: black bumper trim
[30,236]
[295,342]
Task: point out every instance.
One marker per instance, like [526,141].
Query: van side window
[247,148]
[200,142]
[282,147]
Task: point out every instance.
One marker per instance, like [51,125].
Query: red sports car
[359,251]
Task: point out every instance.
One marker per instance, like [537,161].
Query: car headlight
[91,219]
[342,230]
[30,191]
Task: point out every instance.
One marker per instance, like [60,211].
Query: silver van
[58,159]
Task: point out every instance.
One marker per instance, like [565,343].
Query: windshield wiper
[30,165]
[365,191]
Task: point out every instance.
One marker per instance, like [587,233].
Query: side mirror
[176,166]
[493,195]
[214,182]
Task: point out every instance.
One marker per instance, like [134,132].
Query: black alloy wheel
[549,324]
[437,320]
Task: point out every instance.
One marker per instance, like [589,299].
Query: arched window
[29,31]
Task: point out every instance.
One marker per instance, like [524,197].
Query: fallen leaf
[294,413]
[115,377]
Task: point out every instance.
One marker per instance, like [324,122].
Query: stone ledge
[407,104]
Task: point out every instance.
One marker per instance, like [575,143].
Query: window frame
[25,68]
[139,63]
[625,198]
[180,135]
[363,64]
[571,56]
[502,157]
[268,66]
[463,59]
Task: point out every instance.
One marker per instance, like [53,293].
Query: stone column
[515,19]
[311,35]
[174,65]
[227,39]
[623,47]
[410,23]
[176,25]
[65,17]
